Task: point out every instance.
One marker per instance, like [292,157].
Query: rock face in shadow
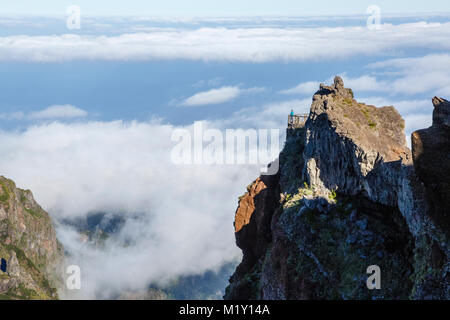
[348,198]
[252,227]
[29,245]
[431,153]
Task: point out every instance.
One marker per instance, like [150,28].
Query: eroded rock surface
[431,153]
[28,243]
[349,197]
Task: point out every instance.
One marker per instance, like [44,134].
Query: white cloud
[428,74]
[261,44]
[50,113]
[365,83]
[362,83]
[416,113]
[305,88]
[405,77]
[213,96]
[210,83]
[12,115]
[415,122]
[58,112]
[217,96]
[273,115]
[405,107]
[125,168]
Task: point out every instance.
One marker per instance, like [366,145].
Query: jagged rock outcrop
[28,243]
[349,197]
[431,153]
[252,227]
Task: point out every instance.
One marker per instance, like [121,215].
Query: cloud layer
[213,96]
[59,112]
[258,45]
[179,219]
[217,96]
[402,76]
[54,112]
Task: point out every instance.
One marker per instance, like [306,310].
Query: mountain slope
[347,197]
[30,253]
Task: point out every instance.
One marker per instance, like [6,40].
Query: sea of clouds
[256,45]
[179,218]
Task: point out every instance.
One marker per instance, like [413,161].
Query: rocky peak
[28,243]
[441,112]
[431,153]
[381,129]
[348,141]
[337,89]
[349,198]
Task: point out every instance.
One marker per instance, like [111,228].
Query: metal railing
[297,120]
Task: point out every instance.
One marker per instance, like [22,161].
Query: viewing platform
[297,120]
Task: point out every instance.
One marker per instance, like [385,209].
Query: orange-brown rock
[431,153]
[350,198]
[246,206]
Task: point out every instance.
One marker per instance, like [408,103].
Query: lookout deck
[297,120]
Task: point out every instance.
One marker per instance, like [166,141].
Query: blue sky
[145,68]
[86,116]
[220,8]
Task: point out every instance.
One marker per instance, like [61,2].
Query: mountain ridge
[30,252]
[347,196]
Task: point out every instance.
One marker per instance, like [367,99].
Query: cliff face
[347,196]
[30,253]
[431,153]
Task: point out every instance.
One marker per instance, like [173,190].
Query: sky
[220,8]
[87,115]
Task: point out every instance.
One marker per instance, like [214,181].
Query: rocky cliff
[29,251]
[348,195]
[431,153]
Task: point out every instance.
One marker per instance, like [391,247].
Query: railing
[297,120]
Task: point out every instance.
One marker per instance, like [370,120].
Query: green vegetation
[372,124]
[334,252]
[351,93]
[27,293]
[4,276]
[21,257]
[333,195]
[348,101]
[291,160]
[366,113]
[4,197]
[251,283]
[45,285]
[34,213]
[295,200]
[46,291]
[31,262]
